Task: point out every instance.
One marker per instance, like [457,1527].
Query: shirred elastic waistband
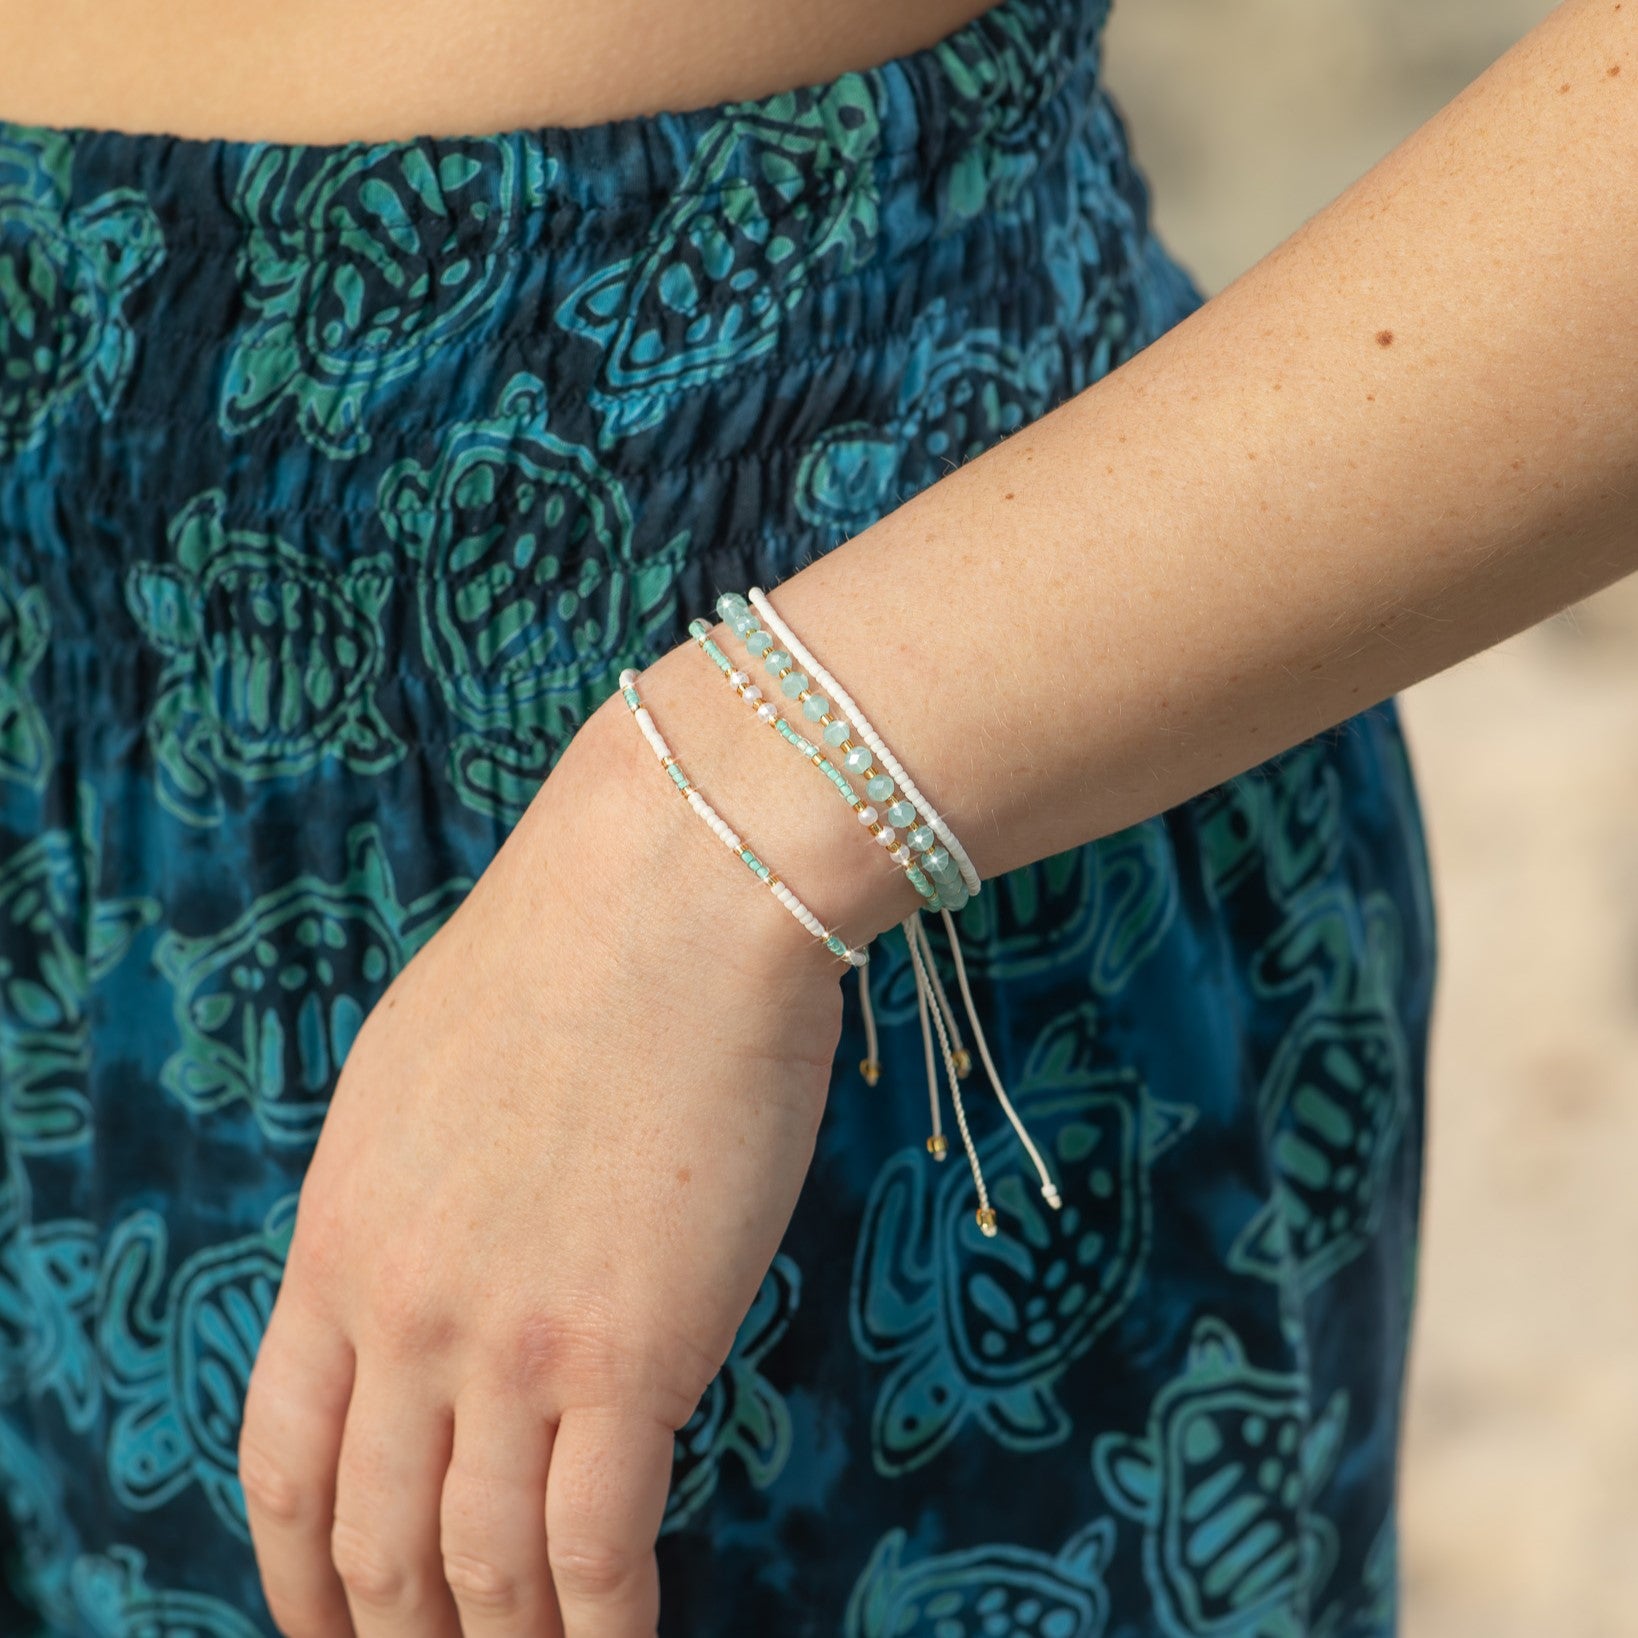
[946,119]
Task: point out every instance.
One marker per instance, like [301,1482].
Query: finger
[605,1498]
[384,1544]
[295,1407]
[493,1519]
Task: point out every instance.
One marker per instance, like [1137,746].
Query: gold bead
[773,881]
[668,761]
[963,1062]
[871,1070]
[938,1146]
[986,1219]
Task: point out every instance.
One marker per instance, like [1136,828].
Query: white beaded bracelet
[725,833]
[845,704]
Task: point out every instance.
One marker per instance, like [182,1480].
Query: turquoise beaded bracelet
[768,712]
[935,859]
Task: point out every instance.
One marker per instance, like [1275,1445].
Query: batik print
[337,485]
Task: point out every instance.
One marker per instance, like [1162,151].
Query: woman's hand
[558,1162]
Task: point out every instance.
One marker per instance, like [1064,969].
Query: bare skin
[563,1148]
[336,70]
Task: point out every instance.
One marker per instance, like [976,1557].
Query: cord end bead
[963,1061]
[1049,1192]
[871,1070]
[986,1220]
[938,1146]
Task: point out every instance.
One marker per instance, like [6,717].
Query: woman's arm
[1404,435]
[564,1147]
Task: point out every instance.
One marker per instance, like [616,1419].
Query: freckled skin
[1384,338]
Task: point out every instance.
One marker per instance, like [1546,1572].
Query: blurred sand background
[1519,1494]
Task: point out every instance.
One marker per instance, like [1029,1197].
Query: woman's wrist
[609,789]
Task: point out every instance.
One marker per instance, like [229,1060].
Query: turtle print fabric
[337,485]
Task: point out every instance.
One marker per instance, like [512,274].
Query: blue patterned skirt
[337,485]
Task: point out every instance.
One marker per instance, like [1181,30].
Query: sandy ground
[1519,1492]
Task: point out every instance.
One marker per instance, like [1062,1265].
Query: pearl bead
[753,693]
[739,678]
[887,836]
[900,855]
[766,713]
[867,814]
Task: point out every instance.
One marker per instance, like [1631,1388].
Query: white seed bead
[867,814]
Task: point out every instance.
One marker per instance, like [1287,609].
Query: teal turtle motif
[57,937]
[960,388]
[738,244]
[1129,879]
[1336,1094]
[998,76]
[112,1597]
[178,1365]
[267,1007]
[1285,814]
[531,599]
[741,1412]
[1223,1480]
[359,269]
[25,624]
[983,1329]
[65,277]
[48,1280]
[994,1591]
[1110,904]
[272,659]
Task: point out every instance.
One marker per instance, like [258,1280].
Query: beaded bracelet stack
[897,816]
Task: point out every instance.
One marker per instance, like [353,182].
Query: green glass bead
[730,604]
[922,838]
[836,733]
[900,815]
[879,788]
[743,624]
[776,661]
[794,684]
[938,861]
[858,760]
[815,706]
[758,641]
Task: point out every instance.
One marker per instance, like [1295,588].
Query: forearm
[1401,437]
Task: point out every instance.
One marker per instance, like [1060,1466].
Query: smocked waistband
[945,124]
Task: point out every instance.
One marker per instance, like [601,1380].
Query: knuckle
[270,1488]
[482,1584]
[584,1567]
[403,1313]
[371,1571]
